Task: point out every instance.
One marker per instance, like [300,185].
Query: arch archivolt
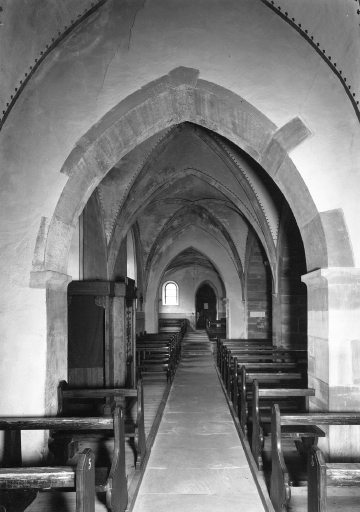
[196,216]
[197,238]
[178,97]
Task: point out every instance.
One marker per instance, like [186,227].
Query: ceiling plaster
[188,166]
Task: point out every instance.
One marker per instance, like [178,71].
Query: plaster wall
[131,269]
[239,45]
[96,68]
[333,345]
[290,299]
[258,294]
[94,251]
[335,25]
[204,243]
[189,280]
[75,262]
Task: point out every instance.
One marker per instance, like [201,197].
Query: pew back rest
[65,394]
[82,478]
[280,490]
[322,474]
[257,430]
[116,484]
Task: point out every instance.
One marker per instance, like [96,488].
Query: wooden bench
[176,324]
[280,492]
[243,396]
[322,475]
[16,481]
[252,367]
[134,429]
[216,329]
[269,357]
[272,366]
[158,357]
[262,428]
[159,352]
[257,355]
[111,481]
[244,344]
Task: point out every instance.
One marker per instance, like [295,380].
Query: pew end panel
[19,485]
[257,442]
[116,487]
[114,398]
[140,437]
[235,389]
[85,482]
[243,413]
[322,475]
[280,492]
[316,468]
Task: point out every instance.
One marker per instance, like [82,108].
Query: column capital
[49,279]
[119,289]
[332,275]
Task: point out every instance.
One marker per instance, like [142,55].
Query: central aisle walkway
[197,462]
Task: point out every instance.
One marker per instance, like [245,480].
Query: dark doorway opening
[205,305]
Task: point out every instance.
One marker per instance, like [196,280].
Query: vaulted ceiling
[189,176]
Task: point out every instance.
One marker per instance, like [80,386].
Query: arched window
[170,295]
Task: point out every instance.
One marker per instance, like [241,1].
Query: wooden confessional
[101,334]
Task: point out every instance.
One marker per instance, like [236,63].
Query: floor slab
[197,461]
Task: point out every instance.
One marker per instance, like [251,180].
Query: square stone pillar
[227,315]
[334,352]
[117,341]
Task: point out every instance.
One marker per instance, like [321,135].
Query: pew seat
[280,485]
[110,479]
[261,424]
[322,476]
[14,481]
[69,399]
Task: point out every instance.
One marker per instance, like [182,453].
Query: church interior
[179,163]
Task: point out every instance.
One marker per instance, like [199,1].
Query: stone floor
[57,501]
[197,462]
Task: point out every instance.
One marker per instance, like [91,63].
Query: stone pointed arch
[172,99]
[141,195]
[182,216]
[204,243]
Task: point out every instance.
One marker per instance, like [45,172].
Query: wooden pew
[273,361]
[261,429]
[252,367]
[216,329]
[156,357]
[322,475]
[113,482]
[159,352]
[175,324]
[245,344]
[15,481]
[257,355]
[272,358]
[136,429]
[243,408]
[280,492]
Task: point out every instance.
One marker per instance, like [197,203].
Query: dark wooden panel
[98,393]
[343,474]
[86,377]
[274,393]
[90,288]
[325,418]
[25,423]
